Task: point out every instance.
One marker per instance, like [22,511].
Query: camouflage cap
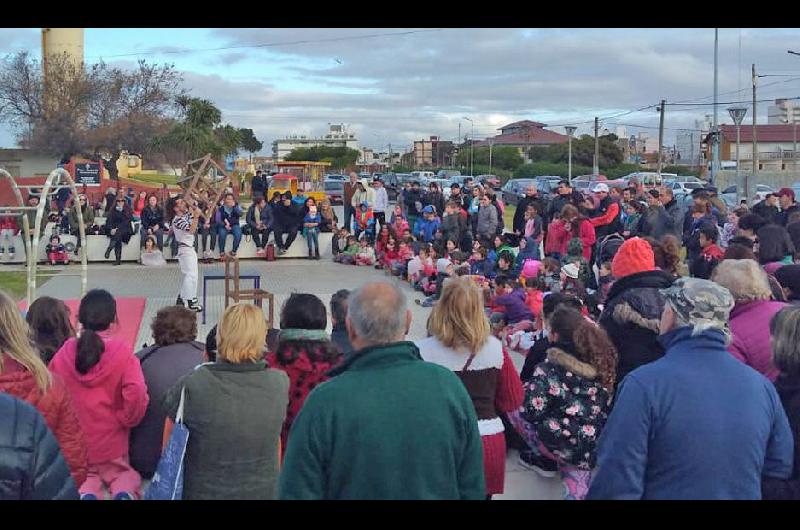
[702,303]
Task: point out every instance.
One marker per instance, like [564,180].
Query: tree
[582,152]
[94,111]
[503,157]
[340,158]
[249,142]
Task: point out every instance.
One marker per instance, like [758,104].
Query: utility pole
[459,134]
[596,164]
[714,127]
[752,180]
[660,135]
[390,158]
[490,156]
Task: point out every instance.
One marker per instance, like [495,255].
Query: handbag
[167,483]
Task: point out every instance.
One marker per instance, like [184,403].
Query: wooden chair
[234,292]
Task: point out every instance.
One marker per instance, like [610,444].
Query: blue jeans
[312,236]
[236,230]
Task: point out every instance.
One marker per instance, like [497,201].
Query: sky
[397,85]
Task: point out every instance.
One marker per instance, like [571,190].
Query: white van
[422,174]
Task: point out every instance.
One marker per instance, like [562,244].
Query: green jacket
[352,250]
[234,413]
[387,426]
[88,218]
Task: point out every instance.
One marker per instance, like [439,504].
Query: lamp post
[471,146]
[570,132]
[737,115]
[491,142]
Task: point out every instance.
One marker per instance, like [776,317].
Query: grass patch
[14,283]
[508,216]
[169,180]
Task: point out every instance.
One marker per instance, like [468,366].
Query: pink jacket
[109,400]
[749,323]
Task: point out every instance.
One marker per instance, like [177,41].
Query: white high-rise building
[784,111]
[338,136]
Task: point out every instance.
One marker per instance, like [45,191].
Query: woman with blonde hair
[750,317]
[460,339]
[329,219]
[24,375]
[234,409]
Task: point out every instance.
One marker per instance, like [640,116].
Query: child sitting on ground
[388,252]
[444,270]
[151,256]
[348,255]
[570,284]
[575,255]
[509,308]
[399,266]
[366,254]
[420,266]
[398,220]
[528,250]
[551,272]
[339,242]
[505,263]
[56,251]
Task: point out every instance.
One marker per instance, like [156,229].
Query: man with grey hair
[387,425]
[697,423]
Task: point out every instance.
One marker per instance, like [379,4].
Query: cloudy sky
[394,85]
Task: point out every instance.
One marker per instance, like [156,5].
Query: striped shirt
[180,227]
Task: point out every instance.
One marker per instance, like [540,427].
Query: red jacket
[304,374]
[9,222]
[558,238]
[110,399]
[56,407]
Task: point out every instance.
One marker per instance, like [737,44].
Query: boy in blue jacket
[425,228]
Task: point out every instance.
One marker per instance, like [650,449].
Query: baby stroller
[606,250]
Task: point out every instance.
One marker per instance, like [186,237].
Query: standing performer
[183,223]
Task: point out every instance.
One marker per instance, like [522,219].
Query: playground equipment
[57,179]
[310,177]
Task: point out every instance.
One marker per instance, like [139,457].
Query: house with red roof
[777,146]
[523,135]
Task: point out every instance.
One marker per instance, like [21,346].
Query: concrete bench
[96,246]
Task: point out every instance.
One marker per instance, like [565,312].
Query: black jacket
[656,223]
[537,354]
[783,217]
[788,388]
[453,227]
[152,216]
[121,221]
[412,198]
[674,211]
[287,217]
[559,201]
[265,217]
[522,205]
[340,338]
[162,367]
[258,185]
[435,199]
[768,213]
[632,316]
[31,464]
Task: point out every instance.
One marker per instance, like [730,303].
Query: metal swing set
[57,179]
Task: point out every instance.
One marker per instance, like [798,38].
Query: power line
[268,44]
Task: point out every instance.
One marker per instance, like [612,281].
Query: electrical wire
[268,44]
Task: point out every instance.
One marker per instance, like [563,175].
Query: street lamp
[471,146]
[737,115]
[570,132]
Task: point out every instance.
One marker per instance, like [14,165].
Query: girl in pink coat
[107,386]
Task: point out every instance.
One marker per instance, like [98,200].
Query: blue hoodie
[426,229]
[695,424]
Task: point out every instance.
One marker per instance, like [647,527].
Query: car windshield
[692,185]
[332,186]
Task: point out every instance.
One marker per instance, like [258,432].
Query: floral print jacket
[567,406]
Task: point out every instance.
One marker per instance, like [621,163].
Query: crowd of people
[648,373]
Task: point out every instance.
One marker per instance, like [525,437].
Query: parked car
[514,189]
[423,174]
[334,189]
[649,179]
[489,180]
[392,184]
[684,187]
[447,173]
[729,194]
[336,177]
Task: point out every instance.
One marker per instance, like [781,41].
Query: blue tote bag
[167,483]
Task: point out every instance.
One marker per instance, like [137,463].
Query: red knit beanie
[635,255]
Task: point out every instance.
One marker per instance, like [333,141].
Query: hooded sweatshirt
[514,305]
[110,399]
